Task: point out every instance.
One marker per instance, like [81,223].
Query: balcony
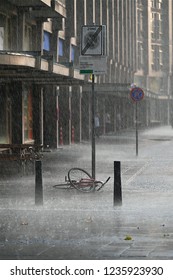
[42,8]
[33,67]
[60,7]
[31,3]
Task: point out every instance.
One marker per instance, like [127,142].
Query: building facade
[44,98]
[154,57]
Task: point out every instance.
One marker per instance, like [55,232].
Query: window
[139,2]
[140,23]
[2,31]
[3,122]
[46,41]
[160,56]
[9,34]
[60,47]
[27,114]
[153,3]
[156,27]
[140,55]
[28,38]
[72,54]
[5,33]
[156,4]
[157,57]
[1,38]
[159,4]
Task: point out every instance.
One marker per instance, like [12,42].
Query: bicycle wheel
[81,180]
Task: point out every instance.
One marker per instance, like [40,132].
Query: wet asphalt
[71,225]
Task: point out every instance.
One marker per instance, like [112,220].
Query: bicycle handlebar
[104,183]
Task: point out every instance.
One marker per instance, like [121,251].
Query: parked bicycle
[82,181]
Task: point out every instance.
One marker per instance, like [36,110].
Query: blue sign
[137,94]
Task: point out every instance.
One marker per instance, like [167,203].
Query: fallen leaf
[128,237]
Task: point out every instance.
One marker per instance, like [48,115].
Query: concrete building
[31,39]
[44,98]
[154,57]
[42,93]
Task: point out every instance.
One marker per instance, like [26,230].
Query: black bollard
[38,183]
[117,184]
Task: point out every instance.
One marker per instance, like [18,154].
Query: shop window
[28,118]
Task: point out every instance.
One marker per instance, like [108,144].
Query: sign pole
[93,129]
[136,94]
[93,43]
[136,128]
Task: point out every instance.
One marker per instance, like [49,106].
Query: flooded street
[76,225]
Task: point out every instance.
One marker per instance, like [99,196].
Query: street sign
[93,61]
[93,65]
[93,40]
[137,94]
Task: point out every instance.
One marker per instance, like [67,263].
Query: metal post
[93,130]
[136,129]
[117,184]
[38,183]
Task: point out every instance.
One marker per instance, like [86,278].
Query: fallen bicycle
[81,180]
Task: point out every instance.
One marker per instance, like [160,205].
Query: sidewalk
[74,225]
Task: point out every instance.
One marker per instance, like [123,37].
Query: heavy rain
[86,84]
